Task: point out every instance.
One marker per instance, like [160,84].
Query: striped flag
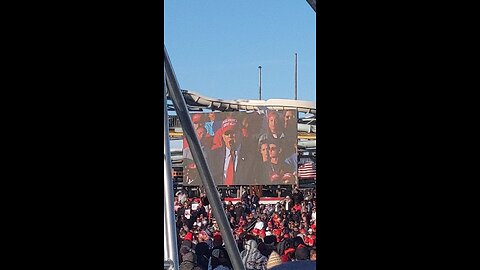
[307,171]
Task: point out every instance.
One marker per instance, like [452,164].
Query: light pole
[295,79]
[260,82]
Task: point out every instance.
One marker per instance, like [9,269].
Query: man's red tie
[230,171]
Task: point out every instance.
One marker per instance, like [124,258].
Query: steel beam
[175,94]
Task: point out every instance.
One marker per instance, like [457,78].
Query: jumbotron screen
[245,148]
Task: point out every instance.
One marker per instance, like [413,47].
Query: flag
[307,171]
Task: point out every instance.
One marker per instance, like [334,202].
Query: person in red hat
[239,230]
[269,226]
[198,122]
[217,240]
[233,163]
[188,236]
[191,175]
[262,234]
[218,245]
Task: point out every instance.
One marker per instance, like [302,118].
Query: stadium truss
[197,102]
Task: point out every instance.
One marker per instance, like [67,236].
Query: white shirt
[259,225]
[227,161]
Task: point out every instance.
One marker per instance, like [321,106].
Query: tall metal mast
[259,82]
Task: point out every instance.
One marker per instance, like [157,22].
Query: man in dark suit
[233,162]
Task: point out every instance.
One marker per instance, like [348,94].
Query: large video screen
[245,148]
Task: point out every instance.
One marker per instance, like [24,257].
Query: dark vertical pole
[213,196]
[260,82]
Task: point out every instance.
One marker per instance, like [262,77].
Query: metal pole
[171,253]
[295,76]
[313,4]
[213,196]
[260,82]
[296,80]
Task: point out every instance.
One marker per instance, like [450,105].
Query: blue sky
[216,47]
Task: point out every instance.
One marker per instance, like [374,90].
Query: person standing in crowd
[259,224]
[231,164]
[313,214]
[218,245]
[202,251]
[239,211]
[302,253]
[270,242]
[205,203]
[200,212]
[219,260]
[297,196]
[189,260]
[255,200]
[245,194]
[288,203]
[181,218]
[252,258]
[182,196]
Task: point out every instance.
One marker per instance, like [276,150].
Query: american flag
[307,171]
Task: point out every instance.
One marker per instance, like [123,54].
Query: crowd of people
[267,235]
[256,148]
